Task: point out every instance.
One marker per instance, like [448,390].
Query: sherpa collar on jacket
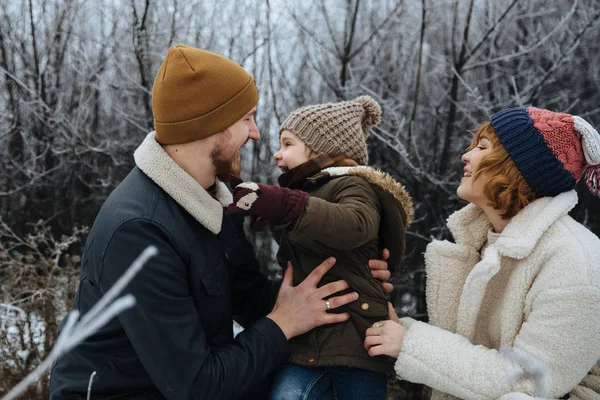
[470,225]
[154,161]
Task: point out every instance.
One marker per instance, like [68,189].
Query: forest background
[75,101]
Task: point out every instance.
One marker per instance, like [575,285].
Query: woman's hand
[385,337]
[392,313]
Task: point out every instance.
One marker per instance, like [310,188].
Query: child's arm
[349,220]
[275,204]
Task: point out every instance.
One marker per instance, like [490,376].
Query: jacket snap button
[364,306]
[311,359]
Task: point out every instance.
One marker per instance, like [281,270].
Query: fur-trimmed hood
[154,161]
[396,205]
[382,180]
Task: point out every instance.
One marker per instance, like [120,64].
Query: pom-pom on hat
[552,150]
[336,128]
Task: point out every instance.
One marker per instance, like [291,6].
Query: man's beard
[236,165]
[225,165]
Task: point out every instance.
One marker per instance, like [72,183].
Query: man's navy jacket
[177,341]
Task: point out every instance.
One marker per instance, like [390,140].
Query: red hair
[505,187]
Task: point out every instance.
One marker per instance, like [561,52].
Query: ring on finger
[377,324]
[327,305]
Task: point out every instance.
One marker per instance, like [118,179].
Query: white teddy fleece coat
[524,318]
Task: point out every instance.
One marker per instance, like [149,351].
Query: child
[329,203]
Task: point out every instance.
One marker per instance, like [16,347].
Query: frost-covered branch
[75,332]
[89,391]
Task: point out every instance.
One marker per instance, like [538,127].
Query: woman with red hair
[514,302]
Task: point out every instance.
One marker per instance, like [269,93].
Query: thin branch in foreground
[89,392]
[75,332]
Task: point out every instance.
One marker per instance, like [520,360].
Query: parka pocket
[368,306]
[363,313]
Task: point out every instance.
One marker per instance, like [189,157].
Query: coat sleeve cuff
[450,363]
[275,337]
[410,357]
[426,358]
[407,322]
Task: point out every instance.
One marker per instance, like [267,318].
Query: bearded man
[177,341]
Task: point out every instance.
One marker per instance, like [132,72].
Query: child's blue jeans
[295,382]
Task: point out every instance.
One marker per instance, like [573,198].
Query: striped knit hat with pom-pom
[336,128]
[552,150]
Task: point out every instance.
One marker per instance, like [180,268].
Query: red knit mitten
[272,203]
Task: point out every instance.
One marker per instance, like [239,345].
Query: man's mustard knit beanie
[197,93]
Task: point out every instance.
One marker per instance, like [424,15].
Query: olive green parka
[352,214]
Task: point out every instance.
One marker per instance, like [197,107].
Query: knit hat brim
[210,123]
[336,128]
[527,147]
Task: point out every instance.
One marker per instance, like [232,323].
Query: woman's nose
[464,158]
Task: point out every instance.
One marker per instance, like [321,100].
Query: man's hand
[379,269]
[301,308]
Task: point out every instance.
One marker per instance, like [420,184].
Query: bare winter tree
[75,100]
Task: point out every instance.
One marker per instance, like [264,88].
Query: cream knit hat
[337,128]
